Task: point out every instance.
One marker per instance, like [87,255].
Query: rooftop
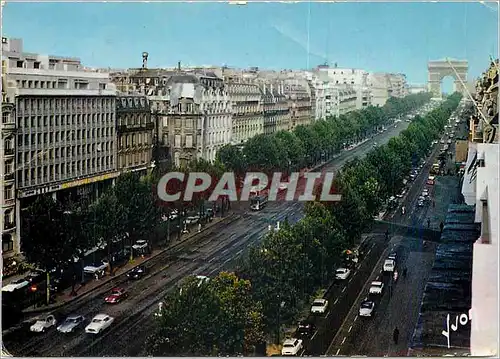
[448,290]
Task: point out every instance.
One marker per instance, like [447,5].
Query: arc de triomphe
[441,68]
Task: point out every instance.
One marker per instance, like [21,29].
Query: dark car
[305,329]
[138,272]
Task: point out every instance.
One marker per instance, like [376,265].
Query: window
[20,64]
[7,242]
[177,141]
[189,141]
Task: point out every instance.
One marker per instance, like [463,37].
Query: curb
[231,218]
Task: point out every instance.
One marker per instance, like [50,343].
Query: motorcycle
[403,210]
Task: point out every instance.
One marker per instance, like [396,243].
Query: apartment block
[64,119]
[135,131]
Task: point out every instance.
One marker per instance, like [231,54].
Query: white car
[192,219]
[14,285]
[366,309]
[99,323]
[44,323]
[376,287]
[319,306]
[401,195]
[140,244]
[425,192]
[389,265]
[292,346]
[96,267]
[342,273]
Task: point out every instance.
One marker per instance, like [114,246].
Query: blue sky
[388,37]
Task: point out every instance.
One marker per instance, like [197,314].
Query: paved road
[373,336]
[133,317]
[345,297]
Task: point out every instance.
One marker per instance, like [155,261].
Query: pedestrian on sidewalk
[428,223]
[441,226]
[433,204]
[386,234]
[395,335]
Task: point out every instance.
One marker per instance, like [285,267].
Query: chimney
[179,66]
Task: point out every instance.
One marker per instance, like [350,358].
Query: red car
[116,296]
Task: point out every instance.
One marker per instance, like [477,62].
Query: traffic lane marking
[338,351]
[312,337]
[350,328]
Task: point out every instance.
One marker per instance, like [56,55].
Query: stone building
[275,107]
[184,129]
[298,94]
[135,130]
[247,111]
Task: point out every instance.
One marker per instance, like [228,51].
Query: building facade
[397,85]
[480,188]
[412,89]
[184,121]
[135,133]
[65,122]
[298,94]
[247,111]
[10,240]
[379,86]
[216,125]
[348,77]
[275,106]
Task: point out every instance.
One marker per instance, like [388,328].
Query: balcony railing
[9,225]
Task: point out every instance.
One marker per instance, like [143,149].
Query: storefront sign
[89,180]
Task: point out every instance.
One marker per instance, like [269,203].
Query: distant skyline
[380,37]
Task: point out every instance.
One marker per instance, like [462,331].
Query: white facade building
[413,89]
[480,188]
[319,85]
[355,78]
[217,121]
[379,85]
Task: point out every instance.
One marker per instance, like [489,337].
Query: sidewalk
[65,296]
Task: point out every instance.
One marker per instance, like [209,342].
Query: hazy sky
[388,37]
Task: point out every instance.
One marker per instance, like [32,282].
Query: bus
[258,202]
[435,169]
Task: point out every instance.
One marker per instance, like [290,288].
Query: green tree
[136,198]
[233,159]
[106,222]
[207,319]
[293,147]
[264,153]
[49,241]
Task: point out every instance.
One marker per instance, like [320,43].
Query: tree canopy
[306,145]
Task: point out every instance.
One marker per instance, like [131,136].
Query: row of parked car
[100,322]
[293,346]
[377,287]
